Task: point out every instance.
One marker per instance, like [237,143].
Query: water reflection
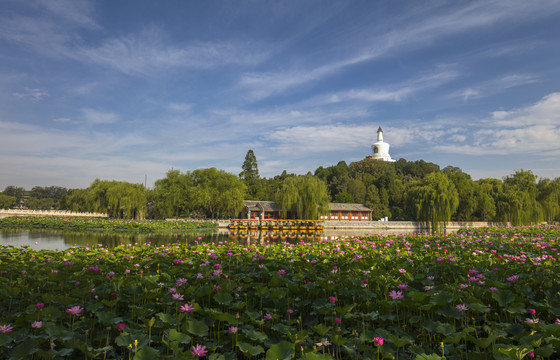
[61,240]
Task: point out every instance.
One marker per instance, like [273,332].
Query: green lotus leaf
[256,335]
[428,357]
[503,297]
[196,327]
[283,350]
[249,349]
[316,356]
[321,329]
[25,349]
[223,298]
[513,352]
[179,337]
[147,353]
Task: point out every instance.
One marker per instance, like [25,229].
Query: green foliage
[250,167]
[218,193]
[17,192]
[305,196]
[7,201]
[518,202]
[343,197]
[319,308]
[95,224]
[171,195]
[434,199]
[39,204]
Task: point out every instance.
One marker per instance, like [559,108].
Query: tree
[549,198]
[172,195]
[126,200]
[518,202]
[304,196]
[250,167]
[39,204]
[377,201]
[250,175]
[218,193]
[434,200]
[343,197]
[466,188]
[17,192]
[7,202]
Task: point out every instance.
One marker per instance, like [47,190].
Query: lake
[61,240]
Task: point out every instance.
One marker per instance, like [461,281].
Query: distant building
[380,149]
[337,211]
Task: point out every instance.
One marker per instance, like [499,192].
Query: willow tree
[549,198]
[518,203]
[434,200]
[304,196]
[172,195]
[218,193]
[126,200]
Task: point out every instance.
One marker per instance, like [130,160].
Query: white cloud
[410,32]
[531,130]
[33,94]
[148,51]
[392,93]
[333,138]
[494,86]
[78,12]
[96,117]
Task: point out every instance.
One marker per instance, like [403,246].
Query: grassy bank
[96,224]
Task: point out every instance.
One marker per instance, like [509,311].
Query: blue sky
[120,90]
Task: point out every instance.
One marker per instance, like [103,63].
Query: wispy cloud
[415,31]
[394,93]
[534,129]
[494,86]
[148,50]
[78,12]
[33,94]
[96,117]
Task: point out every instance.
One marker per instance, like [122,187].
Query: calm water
[61,240]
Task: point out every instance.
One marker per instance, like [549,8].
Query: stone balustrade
[21,212]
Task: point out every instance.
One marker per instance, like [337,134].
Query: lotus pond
[475,294]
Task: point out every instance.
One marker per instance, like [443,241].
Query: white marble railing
[20,212]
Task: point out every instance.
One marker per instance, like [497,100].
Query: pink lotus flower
[75,310]
[378,341]
[281,272]
[120,326]
[461,307]
[233,329]
[332,299]
[37,324]
[6,328]
[396,295]
[187,308]
[40,306]
[199,350]
[532,311]
[178,297]
[337,320]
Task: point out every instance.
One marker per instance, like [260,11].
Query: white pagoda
[380,148]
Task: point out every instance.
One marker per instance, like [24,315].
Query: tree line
[401,190]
